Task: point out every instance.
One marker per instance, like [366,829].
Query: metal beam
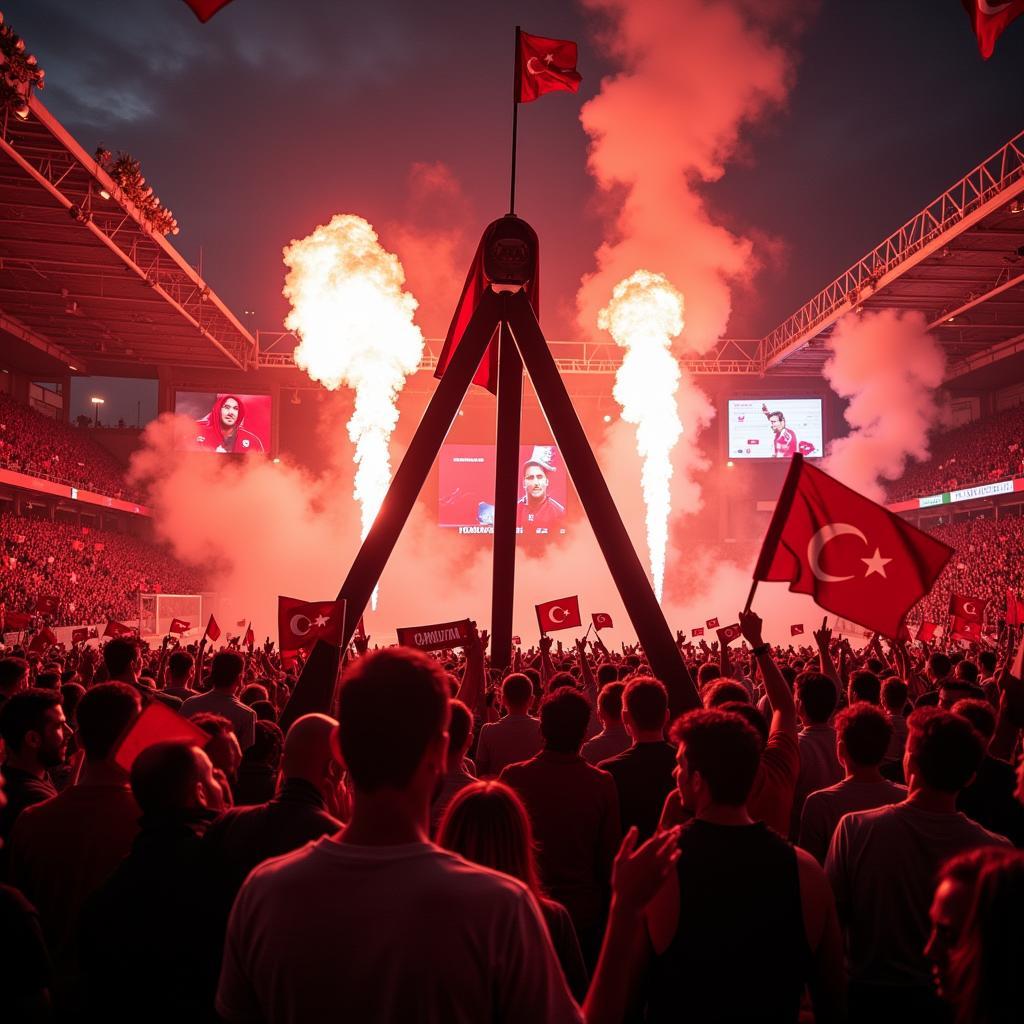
[16,328]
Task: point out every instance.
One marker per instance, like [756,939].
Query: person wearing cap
[535,510]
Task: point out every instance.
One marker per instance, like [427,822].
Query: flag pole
[775,527]
[515,125]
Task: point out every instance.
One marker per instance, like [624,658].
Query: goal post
[157,610]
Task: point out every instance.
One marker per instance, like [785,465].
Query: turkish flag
[926,631]
[602,620]
[79,636]
[727,634]
[854,557]
[963,606]
[46,605]
[116,629]
[796,630]
[212,629]
[178,626]
[965,629]
[989,19]
[1014,608]
[250,637]
[301,623]
[561,614]
[204,10]
[43,639]
[699,631]
[545,65]
[516,641]
[472,292]
[157,723]
[712,623]
[17,621]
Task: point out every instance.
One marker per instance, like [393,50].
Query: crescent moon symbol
[984,7]
[970,608]
[530,69]
[295,629]
[558,607]
[817,544]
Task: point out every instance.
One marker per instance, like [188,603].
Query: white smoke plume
[356,325]
[693,75]
[889,367]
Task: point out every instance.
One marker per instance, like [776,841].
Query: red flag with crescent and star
[179,626]
[204,10]
[712,623]
[602,620]
[854,557]
[545,65]
[301,623]
[116,629]
[970,609]
[727,634]
[561,614]
[965,629]
[989,19]
[797,629]
[927,631]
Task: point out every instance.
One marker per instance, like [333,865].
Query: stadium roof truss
[85,284]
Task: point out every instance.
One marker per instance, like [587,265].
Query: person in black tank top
[729,929]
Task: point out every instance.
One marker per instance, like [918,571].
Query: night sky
[265,122]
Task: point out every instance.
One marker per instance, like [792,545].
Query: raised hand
[638,873]
[750,627]
[546,642]
[823,636]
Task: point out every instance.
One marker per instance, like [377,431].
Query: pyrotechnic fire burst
[644,315]
[356,327]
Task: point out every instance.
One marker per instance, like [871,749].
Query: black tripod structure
[504,316]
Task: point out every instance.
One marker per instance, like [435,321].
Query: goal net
[157,610]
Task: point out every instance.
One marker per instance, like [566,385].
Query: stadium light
[96,403]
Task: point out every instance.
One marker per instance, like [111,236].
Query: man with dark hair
[574,810]
[62,849]
[35,737]
[721,691]
[883,863]
[862,738]
[516,737]
[331,930]
[456,774]
[816,699]
[643,774]
[123,661]
[938,672]
[13,677]
[894,703]
[613,738]
[225,679]
[151,911]
[783,910]
[178,675]
[988,798]
[864,686]
[222,747]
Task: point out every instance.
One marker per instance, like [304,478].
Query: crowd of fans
[991,448]
[43,447]
[778,834]
[988,561]
[91,575]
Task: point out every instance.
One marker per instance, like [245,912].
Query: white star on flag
[876,564]
[320,621]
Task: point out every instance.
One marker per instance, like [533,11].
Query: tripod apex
[510,251]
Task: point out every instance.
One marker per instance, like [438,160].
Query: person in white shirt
[225,678]
[376,923]
[516,737]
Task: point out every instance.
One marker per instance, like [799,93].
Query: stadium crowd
[92,575]
[826,833]
[989,560]
[40,446]
[988,449]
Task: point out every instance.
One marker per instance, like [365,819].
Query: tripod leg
[412,473]
[506,491]
[630,578]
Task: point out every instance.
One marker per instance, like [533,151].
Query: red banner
[438,637]
[727,634]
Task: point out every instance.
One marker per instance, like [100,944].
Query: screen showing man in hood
[225,423]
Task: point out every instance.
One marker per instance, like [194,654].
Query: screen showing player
[775,428]
[466,489]
[224,422]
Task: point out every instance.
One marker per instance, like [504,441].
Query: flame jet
[644,315]
[355,322]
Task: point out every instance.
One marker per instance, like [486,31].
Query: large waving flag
[989,19]
[545,65]
[855,558]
